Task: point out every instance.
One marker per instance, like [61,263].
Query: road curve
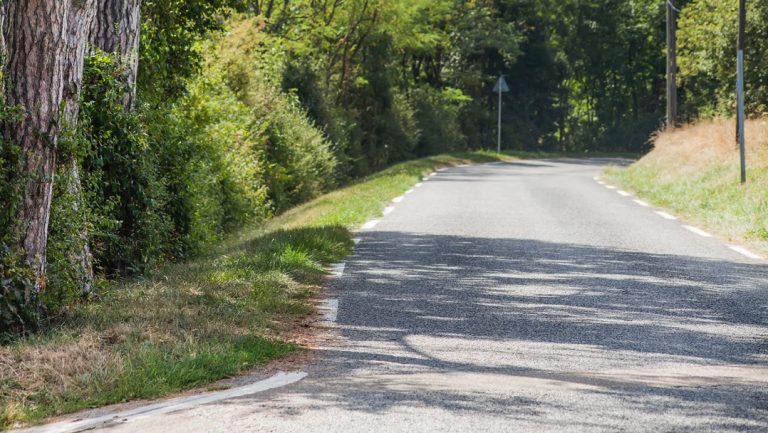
[526,297]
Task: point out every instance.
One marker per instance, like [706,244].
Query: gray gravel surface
[526,297]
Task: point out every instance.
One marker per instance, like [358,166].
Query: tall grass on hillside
[694,170]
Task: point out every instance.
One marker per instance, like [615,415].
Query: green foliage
[707,57]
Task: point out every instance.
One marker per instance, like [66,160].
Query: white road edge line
[665,215]
[610,186]
[418,185]
[641,203]
[338,269]
[442,169]
[623,193]
[744,252]
[424,178]
[388,210]
[408,192]
[356,240]
[330,309]
[697,230]
[182,403]
[398,199]
[597,178]
[432,174]
[370,224]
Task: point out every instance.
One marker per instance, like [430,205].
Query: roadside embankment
[694,171]
[197,322]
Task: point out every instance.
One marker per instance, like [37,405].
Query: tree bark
[80,18]
[115,30]
[36,38]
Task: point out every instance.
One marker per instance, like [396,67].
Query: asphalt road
[526,297]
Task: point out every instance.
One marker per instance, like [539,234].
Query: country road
[525,297]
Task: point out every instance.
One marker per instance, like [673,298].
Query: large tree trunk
[36,38]
[116,30]
[79,20]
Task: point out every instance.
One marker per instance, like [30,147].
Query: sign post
[500,87]
[740,118]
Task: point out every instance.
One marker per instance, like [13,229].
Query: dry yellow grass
[709,142]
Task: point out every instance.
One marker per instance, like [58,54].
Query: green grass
[197,322]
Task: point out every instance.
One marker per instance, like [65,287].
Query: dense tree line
[136,132]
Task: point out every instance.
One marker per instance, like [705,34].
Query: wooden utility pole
[671,65]
[740,88]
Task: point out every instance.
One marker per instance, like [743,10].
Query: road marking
[388,210]
[744,252]
[610,186]
[408,192]
[370,224]
[424,178]
[641,203]
[596,178]
[330,309]
[338,269]
[665,215]
[624,193]
[601,182]
[697,230]
[432,174]
[442,169]
[398,199]
[462,165]
[418,185]
[164,407]
[356,240]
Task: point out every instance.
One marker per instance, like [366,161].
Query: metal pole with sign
[500,87]
[740,118]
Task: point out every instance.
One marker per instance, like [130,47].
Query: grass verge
[694,171]
[201,321]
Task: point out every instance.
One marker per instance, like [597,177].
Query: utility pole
[671,65]
[740,88]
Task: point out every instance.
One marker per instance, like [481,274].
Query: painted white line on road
[601,182]
[388,210]
[665,215]
[432,174]
[338,269]
[641,203]
[164,407]
[624,193]
[418,185]
[597,178]
[610,186]
[442,169]
[330,309]
[462,165]
[697,230]
[356,240]
[398,199]
[425,179]
[744,252]
[370,224]
[409,191]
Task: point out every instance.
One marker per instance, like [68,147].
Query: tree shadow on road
[578,319]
